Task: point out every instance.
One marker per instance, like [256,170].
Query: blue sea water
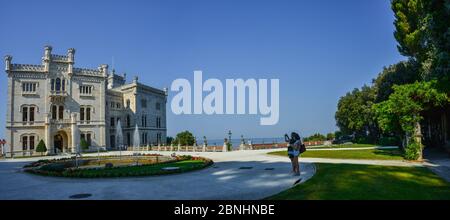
[236,142]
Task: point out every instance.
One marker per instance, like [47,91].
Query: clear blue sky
[318,49]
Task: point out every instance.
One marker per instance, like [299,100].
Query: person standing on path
[294,144]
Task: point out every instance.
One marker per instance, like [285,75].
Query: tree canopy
[422,30]
[184,138]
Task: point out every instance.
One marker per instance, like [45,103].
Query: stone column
[50,146]
[73,128]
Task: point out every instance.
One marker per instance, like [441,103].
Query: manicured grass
[350,181]
[371,154]
[342,146]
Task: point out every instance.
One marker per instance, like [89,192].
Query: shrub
[389,141]
[412,151]
[229,146]
[84,144]
[363,140]
[53,167]
[41,148]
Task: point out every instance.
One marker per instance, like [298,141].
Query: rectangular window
[31,142]
[31,113]
[29,87]
[112,122]
[86,90]
[52,84]
[25,143]
[25,114]
[81,114]
[63,85]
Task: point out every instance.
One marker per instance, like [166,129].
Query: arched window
[63,85]
[128,121]
[82,114]
[88,114]
[61,112]
[54,110]
[58,84]
[25,143]
[31,118]
[52,84]
[24,114]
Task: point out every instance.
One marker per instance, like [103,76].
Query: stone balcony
[61,123]
[57,96]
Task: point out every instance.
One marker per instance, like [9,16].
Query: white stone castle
[61,104]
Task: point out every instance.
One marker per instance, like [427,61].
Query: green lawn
[372,154]
[350,181]
[342,146]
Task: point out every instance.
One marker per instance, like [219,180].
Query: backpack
[302,148]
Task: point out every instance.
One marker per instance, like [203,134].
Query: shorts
[293,153]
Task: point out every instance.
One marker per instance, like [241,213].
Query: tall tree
[354,114]
[397,74]
[422,30]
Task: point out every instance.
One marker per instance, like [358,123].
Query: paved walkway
[438,161]
[224,180]
[269,174]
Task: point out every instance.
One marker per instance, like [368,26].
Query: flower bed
[66,167]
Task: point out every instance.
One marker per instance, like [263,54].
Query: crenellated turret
[47,57]
[104,70]
[71,60]
[8,60]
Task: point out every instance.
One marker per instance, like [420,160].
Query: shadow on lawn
[389,152]
[351,181]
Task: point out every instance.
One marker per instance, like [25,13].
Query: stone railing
[201,148]
[180,148]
